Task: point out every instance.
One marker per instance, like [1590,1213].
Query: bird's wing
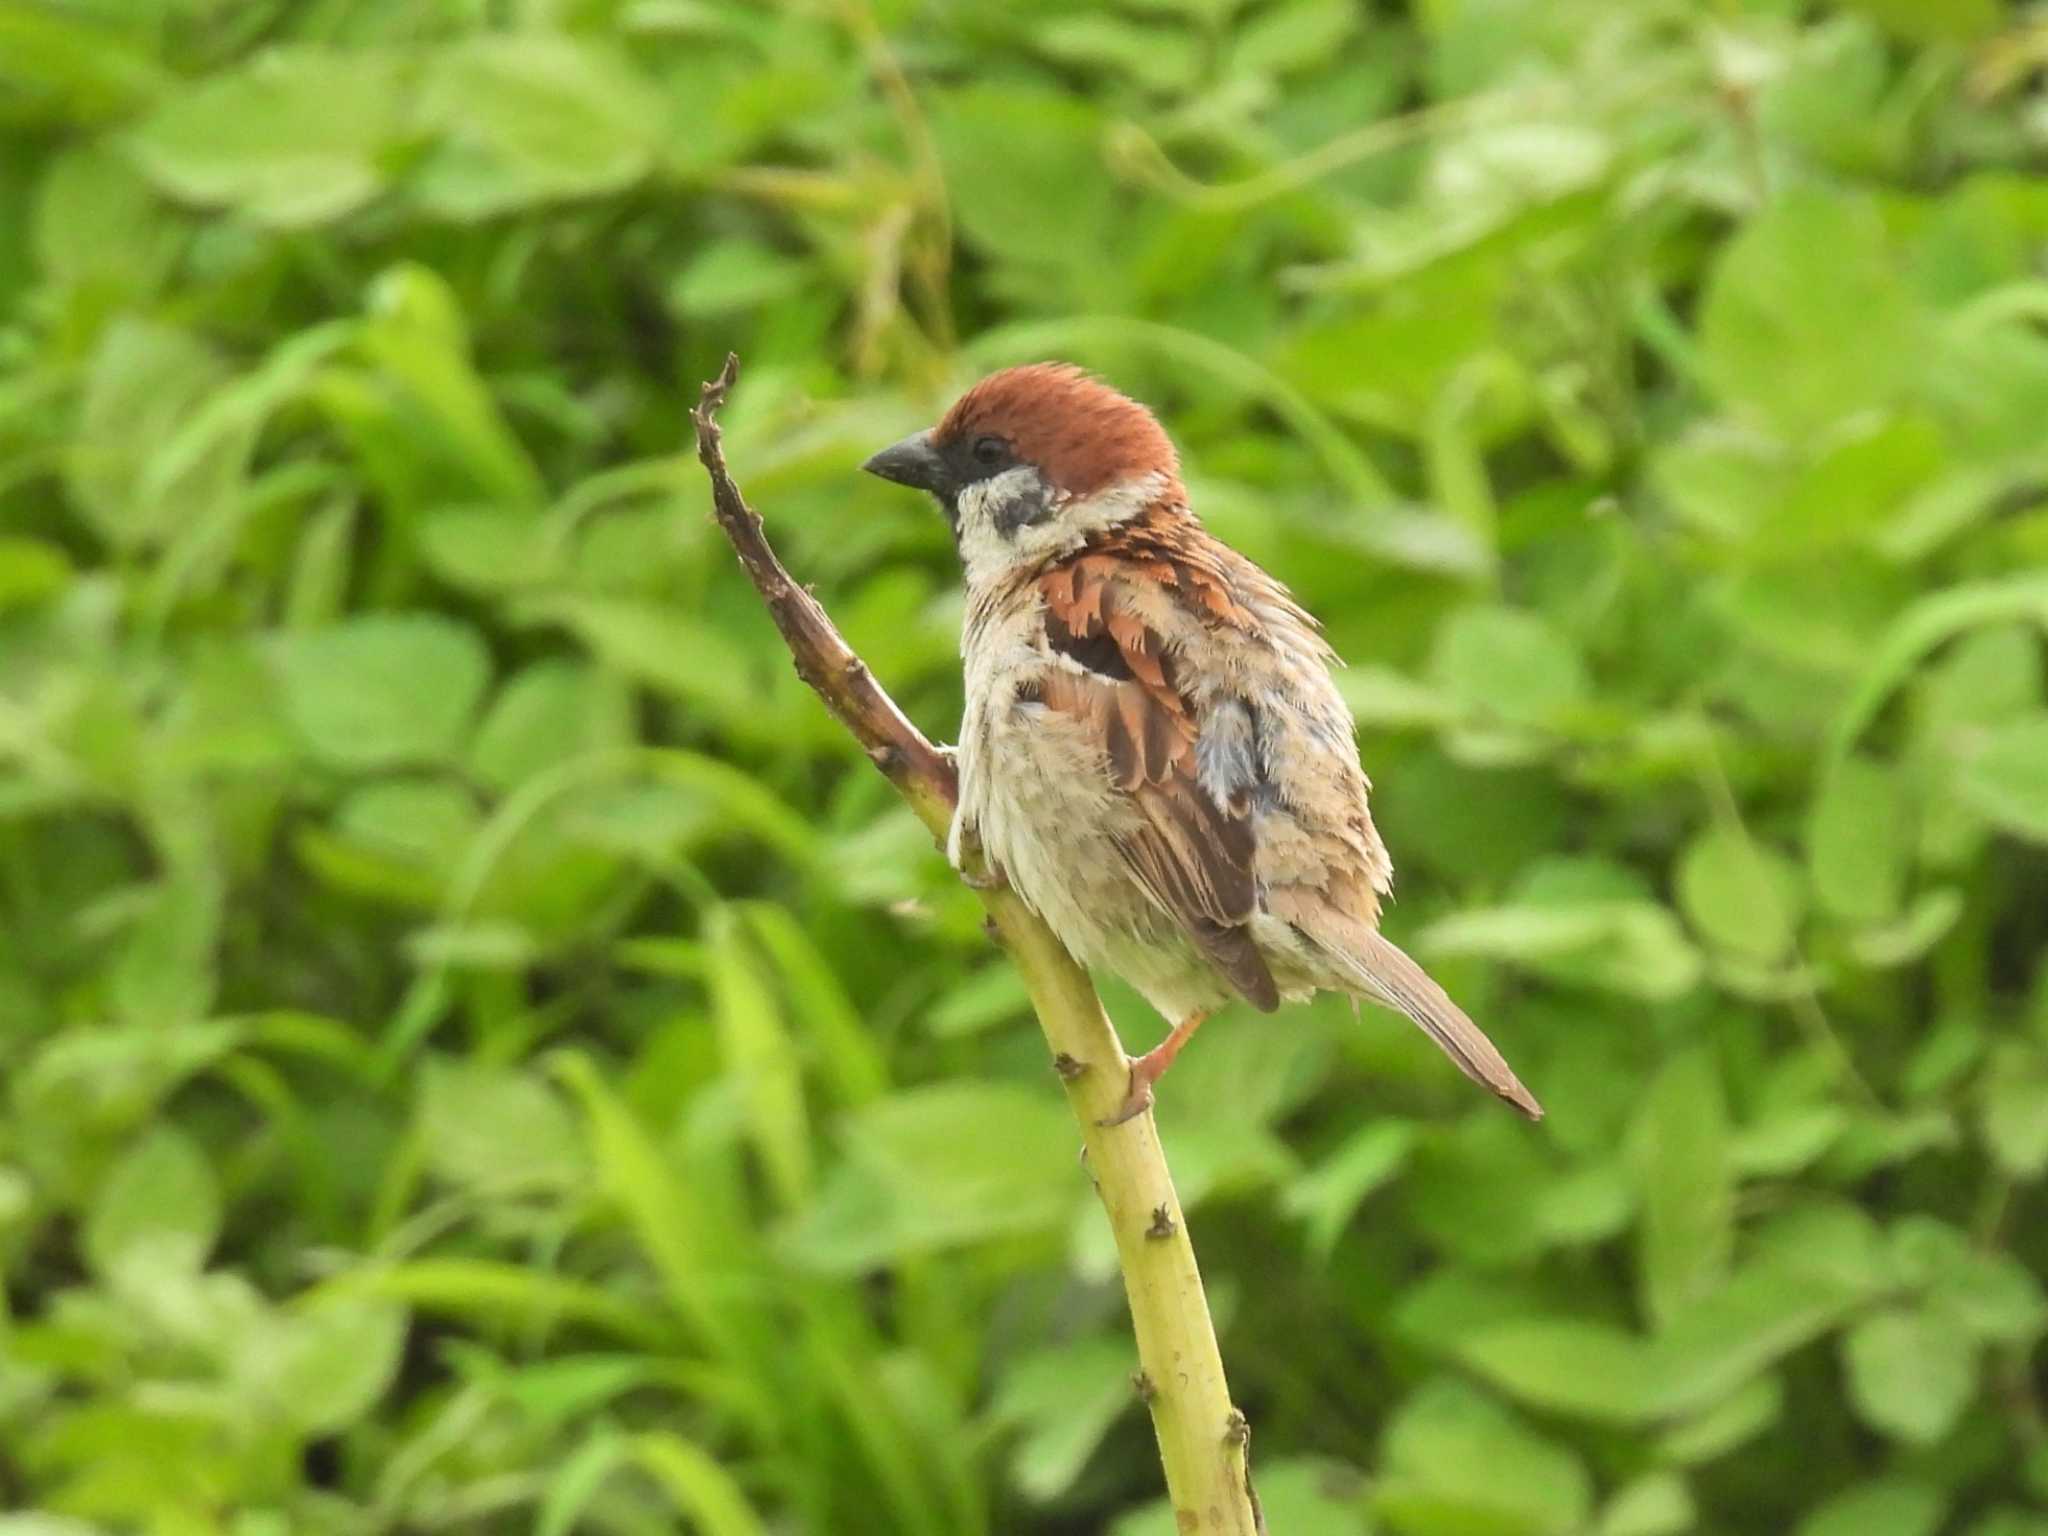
[1192,851]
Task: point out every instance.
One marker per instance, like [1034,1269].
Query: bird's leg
[1150,1067]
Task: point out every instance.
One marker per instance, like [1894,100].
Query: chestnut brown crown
[1081,434]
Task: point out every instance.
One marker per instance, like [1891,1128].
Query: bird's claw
[1137,1099]
[964,852]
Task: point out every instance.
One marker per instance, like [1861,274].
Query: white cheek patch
[985,548]
[987,552]
[985,501]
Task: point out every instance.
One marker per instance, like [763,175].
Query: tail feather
[1388,976]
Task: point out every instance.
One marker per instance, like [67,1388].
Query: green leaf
[1825,620]
[1655,1504]
[697,1486]
[168,970]
[1508,665]
[1886,1507]
[1722,479]
[1858,841]
[683,1234]
[993,995]
[381,690]
[29,572]
[762,1067]
[1679,1152]
[734,275]
[1739,894]
[1992,1294]
[531,117]
[426,420]
[1382,696]
[1768,1308]
[1455,1460]
[1063,1400]
[1925,923]
[321,566]
[46,1525]
[1308,1494]
[419,821]
[144,383]
[98,222]
[1789,1141]
[158,1208]
[489,549]
[563,1389]
[2015,1110]
[74,67]
[1296,34]
[325,1366]
[496,1129]
[1911,1372]
[1583,922]
[838,1037]
[300,137]
[1809,278]
[575,1479]
[2008,1521]
[1875,1141]
[547,715]
[1985,679]
[1159,58]
[1570,1366]
[487,1291]
[940,1166]
[1733,1421]
[1052,198]
[654,644]
[2006,778]
[1588,1205]
[1327,1197]
[1938,617]
[1953,21]
[1832,1240]
[1866,474]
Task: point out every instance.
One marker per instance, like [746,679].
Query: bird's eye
[990,450]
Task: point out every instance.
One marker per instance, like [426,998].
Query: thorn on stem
[1162,1224]
[1143,1386]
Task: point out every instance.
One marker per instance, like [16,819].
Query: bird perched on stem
[1154,754]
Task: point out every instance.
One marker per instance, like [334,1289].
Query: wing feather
[1193,856]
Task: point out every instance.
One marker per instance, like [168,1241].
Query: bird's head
[1031,461]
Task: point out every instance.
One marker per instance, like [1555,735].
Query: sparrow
[1154,754]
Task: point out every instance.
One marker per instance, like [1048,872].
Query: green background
[481,1052]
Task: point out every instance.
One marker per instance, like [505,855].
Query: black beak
[913,462]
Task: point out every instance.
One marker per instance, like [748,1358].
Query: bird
[1154,754]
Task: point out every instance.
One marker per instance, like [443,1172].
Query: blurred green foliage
[482,1053]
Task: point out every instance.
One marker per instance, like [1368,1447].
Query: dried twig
[1202,1437]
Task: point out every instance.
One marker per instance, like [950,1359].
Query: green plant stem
[1203,1439]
